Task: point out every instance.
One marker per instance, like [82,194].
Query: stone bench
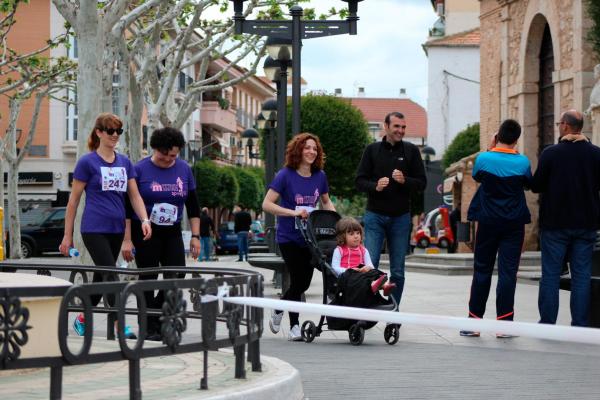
[272,261]
[43,310]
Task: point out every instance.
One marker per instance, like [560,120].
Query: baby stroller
[320,235]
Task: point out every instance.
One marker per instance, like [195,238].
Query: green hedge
[224,187]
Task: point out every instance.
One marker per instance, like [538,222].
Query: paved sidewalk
[426,363]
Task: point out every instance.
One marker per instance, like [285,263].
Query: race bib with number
[114,179]
[308,209]
[163,214]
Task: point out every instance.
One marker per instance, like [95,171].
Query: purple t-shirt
[164,185]
[296,191]
[105,191]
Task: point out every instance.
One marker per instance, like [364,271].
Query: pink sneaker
[388,287]
[378,283]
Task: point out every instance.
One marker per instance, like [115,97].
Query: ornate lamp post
[267,120]
[294,31]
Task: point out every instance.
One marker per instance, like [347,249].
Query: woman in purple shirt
[300,186]
[105,176]
[166,184]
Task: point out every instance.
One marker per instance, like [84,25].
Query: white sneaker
[275,321]
[295,335]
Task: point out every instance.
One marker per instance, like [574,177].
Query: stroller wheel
[356,334]
[391,333]
[308,331]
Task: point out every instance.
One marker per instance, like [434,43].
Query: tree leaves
[463,145]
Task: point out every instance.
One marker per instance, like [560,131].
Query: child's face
[353,239]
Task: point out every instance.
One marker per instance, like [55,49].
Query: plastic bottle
[122,264]
[73,252]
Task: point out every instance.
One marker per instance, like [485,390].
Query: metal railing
[204,293]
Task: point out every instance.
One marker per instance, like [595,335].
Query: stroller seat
[320,235]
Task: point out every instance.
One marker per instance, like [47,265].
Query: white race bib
[308,209]
[114,179]
[163,214]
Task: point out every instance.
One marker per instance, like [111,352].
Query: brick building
[535,63]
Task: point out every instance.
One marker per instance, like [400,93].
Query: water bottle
[73,252]
[122,264]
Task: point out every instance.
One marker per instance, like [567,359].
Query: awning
[34,196]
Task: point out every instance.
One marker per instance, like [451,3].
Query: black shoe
[240,260]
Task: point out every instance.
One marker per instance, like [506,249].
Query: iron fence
[206,286]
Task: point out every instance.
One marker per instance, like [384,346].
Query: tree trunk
[14,223]
[135,122]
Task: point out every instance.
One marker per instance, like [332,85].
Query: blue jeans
[396,230]
[205,243]
[242,242]
[555,242]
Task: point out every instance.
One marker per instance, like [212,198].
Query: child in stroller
[349,278]
[349,258]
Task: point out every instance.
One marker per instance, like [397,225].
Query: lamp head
[269,109]
[261,122]
[279,48]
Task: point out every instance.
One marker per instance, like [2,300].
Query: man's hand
[493,141]
[398,176]
[382,183]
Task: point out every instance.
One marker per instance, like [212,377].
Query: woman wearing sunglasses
[166,184]
[105,176]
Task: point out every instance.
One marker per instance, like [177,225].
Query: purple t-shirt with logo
[296,191]
[105,191]
[164,185]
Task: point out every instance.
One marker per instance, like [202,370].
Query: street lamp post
[277,71]
[268,121]
[295,30]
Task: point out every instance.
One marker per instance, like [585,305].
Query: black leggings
[297,260]
[104,249]
[164,248]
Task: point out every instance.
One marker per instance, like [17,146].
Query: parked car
[258,232]
[44,233]
[227,242]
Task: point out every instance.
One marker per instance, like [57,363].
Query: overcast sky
[385,56]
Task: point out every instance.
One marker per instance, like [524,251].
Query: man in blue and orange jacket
[500,209]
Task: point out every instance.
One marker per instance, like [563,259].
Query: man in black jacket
[388,172]
[242,221]
[568,178]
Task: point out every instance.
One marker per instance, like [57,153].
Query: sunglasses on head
[112,131]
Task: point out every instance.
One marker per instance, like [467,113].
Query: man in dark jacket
[568,178]
[242,221]
[500,208]
[388,172]
[206,226]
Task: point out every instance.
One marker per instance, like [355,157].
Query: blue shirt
[296,191]
[504,175]
[164,185]
[105,191]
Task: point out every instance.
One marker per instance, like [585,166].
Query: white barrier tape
[540,331]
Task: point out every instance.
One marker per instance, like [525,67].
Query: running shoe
[504,336]
[470,333]
[295,335]
[129,333]
[275,321]
[79,325]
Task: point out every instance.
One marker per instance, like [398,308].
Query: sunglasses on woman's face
[112,131]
